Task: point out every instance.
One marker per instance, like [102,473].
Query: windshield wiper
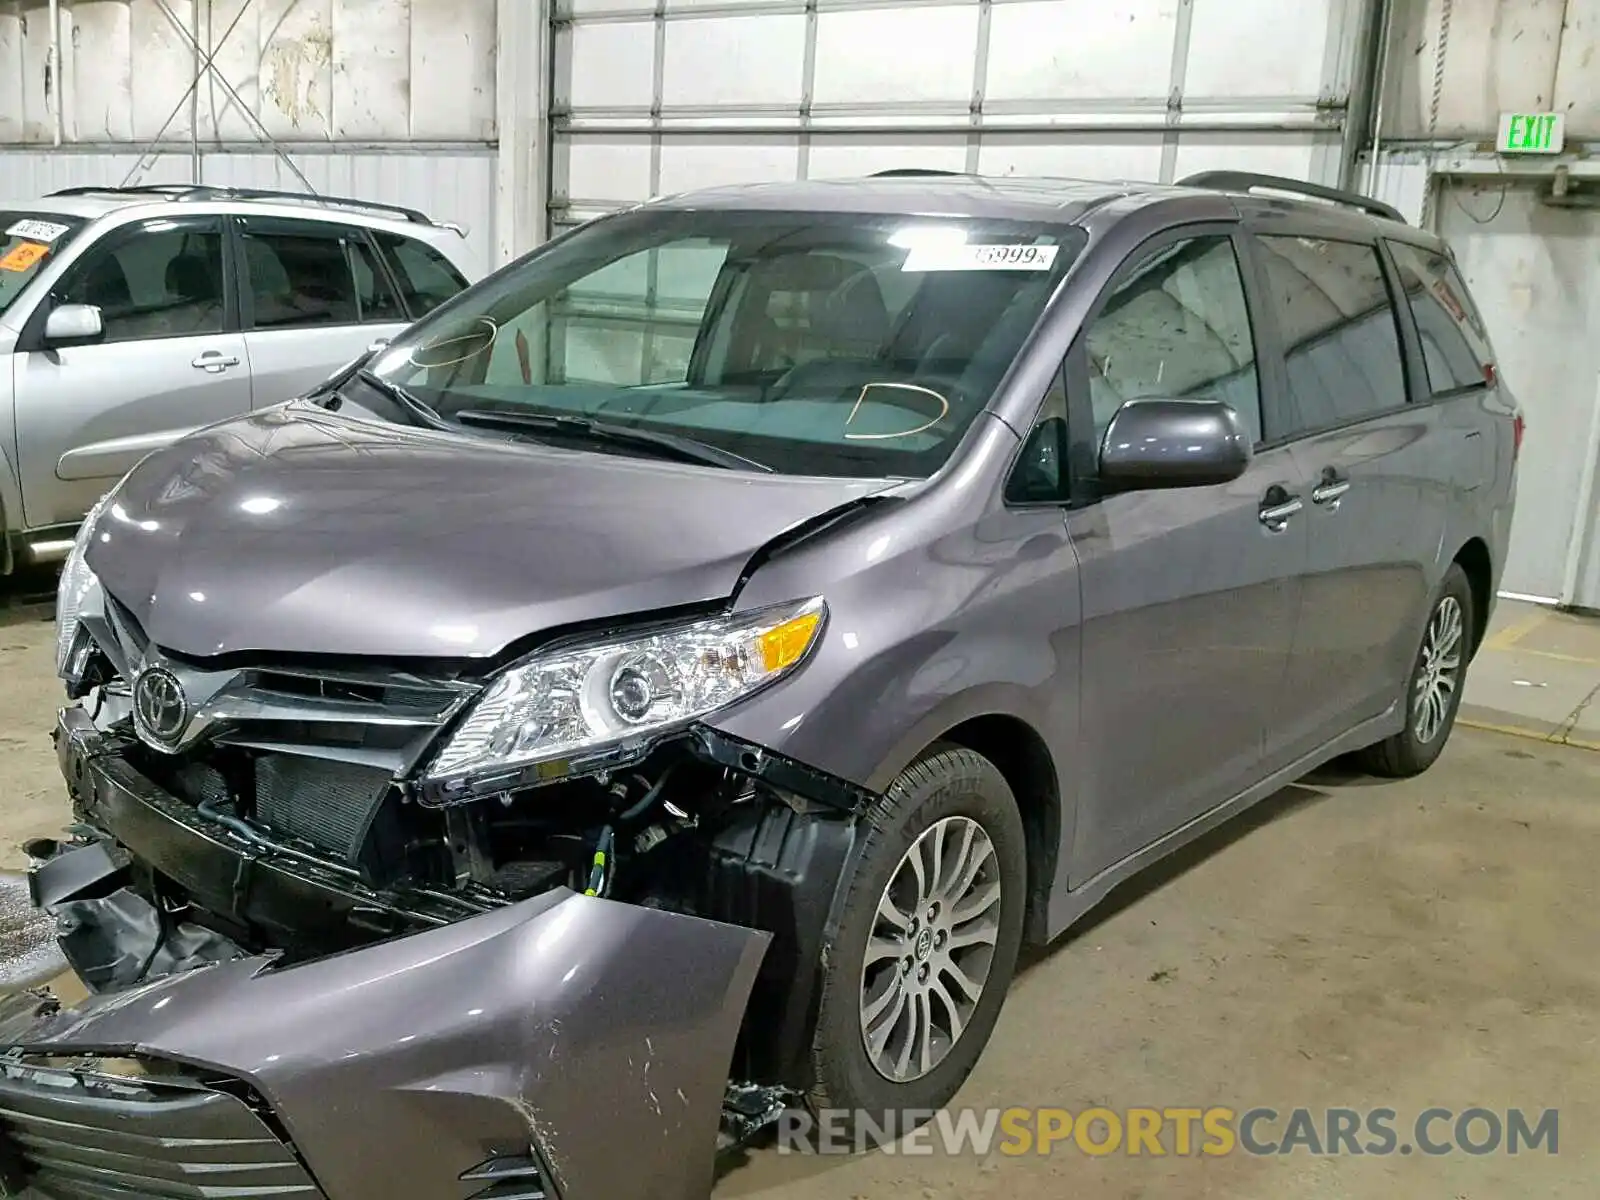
[674,444]
[417,408]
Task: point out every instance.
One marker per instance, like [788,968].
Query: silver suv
[132,316]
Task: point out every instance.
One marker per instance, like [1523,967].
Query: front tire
[1433,688]
[914,979]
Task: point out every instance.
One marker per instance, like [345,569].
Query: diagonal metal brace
[208,65]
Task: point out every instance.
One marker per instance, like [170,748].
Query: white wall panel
[1074,155]
[1043,50]
[1296,156]
[612,65]
[98,75]
[1400,179]
[939,47]
[715,62]
[689,163]
[841,156]
[455,187]
[1498,56]
[647,101]
[1251,48]
[366,71]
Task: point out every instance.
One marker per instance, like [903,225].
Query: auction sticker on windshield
[39,231]
[21,257]
[935,257]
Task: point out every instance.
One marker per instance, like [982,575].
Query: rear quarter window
[1455,344]
[425,276]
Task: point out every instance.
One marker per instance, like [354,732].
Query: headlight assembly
[579,703]
[77,584]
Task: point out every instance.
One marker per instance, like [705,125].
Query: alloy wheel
[1439,672]
[930,949]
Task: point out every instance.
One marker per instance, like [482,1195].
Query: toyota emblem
[160,705]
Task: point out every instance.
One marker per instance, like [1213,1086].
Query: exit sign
[1532,133]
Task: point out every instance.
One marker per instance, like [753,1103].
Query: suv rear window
[426,277]
[1455,344]
[28,240]
[302,274]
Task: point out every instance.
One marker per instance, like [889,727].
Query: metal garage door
[651,98]
[1533,270]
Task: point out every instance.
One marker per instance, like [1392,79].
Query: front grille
[329,804]
[512,1177]
[78,1134]
[327,742]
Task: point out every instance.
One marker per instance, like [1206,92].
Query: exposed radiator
[329,804]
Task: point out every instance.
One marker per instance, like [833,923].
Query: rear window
[1338,324]
[28,241]
[425,276]
[1455,344]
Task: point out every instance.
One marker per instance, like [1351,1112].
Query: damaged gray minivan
[671,681]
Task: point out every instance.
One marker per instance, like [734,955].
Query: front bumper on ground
[580,1044]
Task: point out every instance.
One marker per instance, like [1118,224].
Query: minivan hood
[300,530]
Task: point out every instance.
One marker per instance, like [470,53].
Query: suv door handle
[1332,487]
[1277,506]
[215,361]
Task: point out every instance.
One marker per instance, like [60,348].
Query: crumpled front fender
[598,1032]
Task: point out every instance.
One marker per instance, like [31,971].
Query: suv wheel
[915,977]
[1433,691]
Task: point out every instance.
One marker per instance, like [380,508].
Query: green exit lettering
[1531,133]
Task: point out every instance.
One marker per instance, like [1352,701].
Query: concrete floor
[1347,944]
[1538,673]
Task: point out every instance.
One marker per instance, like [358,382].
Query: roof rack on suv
[201,191]
[911,172]
[1246,181]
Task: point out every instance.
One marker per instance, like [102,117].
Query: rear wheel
[915,978]
[1433,691]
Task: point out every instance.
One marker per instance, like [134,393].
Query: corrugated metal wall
[449,185]
[390,100]
[300,70]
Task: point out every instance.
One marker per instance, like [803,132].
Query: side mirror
[1173,443]
[68,324]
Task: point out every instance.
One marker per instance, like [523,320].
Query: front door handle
[215,361]
[1277,506]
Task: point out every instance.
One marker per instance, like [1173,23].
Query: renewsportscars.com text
[1181,1132]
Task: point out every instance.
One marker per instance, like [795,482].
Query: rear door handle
[1328,490]
[215,361]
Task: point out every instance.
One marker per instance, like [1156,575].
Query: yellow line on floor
[1515,632]
[1555,654]
[1523,732]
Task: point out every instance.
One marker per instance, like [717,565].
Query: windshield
[27,240]
[818,344]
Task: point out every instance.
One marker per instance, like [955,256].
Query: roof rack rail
[201,191]
[912,172]
[1246,181]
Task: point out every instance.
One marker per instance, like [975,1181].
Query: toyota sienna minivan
[669,682]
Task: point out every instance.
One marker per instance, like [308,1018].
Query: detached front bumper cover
[566,1045]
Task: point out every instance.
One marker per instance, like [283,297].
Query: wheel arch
[1474,561]
[1021,755]
[995,721]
